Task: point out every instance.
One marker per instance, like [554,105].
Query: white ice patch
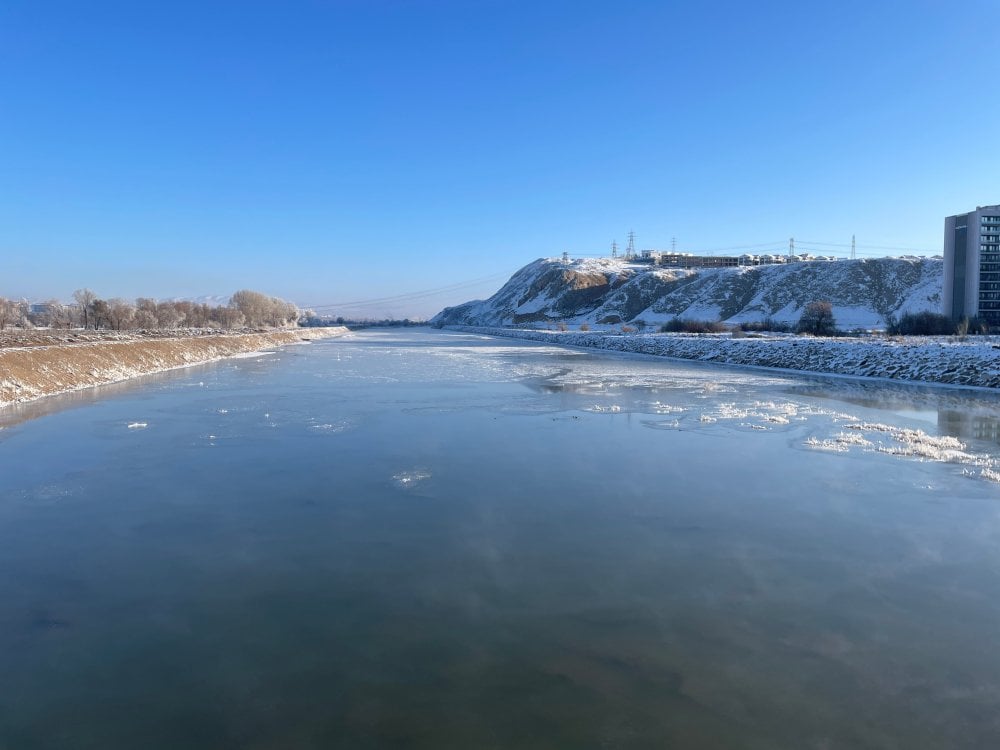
[138,425]
[763,412]
[874,437]
[332,428]
[409,479]
[917,443]
[826,445]
[990,474]
[841,443]
[660,408]
[249,355]
[612,409]
[853,438]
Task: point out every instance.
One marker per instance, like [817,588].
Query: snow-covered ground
[973,362]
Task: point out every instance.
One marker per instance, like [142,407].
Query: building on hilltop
[972,265]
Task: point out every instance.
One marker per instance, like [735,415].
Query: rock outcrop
[864,293]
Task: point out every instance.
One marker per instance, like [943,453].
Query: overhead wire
[410,296]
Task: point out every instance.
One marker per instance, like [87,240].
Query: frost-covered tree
[260,310]
[8,312]
[253,305]
[168,316]
[121,314]
[53,314]
[145,320]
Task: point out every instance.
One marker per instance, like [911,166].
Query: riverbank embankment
[32,368]
[974,362]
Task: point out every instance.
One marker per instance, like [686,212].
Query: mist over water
[428,540]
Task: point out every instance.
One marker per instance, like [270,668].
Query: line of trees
[246,308]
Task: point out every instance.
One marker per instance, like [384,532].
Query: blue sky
[349,150]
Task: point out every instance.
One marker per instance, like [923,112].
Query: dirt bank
[45,366]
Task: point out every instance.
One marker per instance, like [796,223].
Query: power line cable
[409,296]
[872,247]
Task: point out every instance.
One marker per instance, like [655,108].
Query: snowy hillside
[863,292]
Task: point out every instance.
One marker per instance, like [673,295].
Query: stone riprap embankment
[946,360]
[30,370]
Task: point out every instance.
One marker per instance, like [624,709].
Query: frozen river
[435,540]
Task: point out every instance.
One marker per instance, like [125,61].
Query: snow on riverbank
[946,360]
[31,372]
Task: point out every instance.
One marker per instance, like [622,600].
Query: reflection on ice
[696,397]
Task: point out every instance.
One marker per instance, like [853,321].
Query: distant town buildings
[972,265]
[689,260]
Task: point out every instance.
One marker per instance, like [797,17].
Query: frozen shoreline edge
[31,373]
[970,364]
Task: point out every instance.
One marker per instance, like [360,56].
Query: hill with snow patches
[864,293]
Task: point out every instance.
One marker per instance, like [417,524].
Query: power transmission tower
[673,245]
[630,252]
[565,256]
[614,249]
[791,248]
[853,254]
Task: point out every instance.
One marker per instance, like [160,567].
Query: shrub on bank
[927,323]
[767,324]
[689,325]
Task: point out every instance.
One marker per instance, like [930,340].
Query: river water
[426,539]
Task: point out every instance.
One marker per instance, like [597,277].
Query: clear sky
[334,151]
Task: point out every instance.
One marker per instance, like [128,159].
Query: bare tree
[230,317]
[85,299]
[100,313]
[817,319]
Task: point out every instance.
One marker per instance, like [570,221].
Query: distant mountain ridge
[864,293]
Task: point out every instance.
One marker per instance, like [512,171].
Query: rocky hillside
[863,292]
